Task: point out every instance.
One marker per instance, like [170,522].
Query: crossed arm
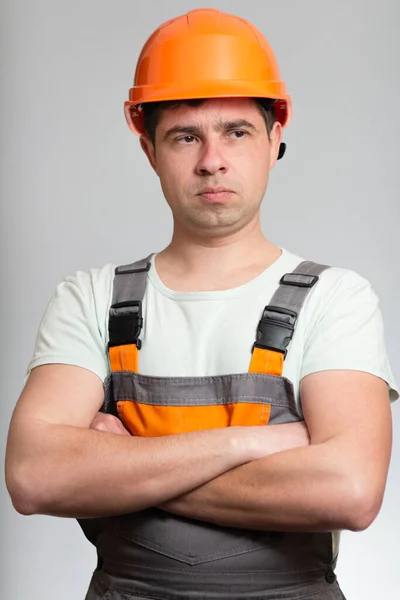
[335,481]
[261,478]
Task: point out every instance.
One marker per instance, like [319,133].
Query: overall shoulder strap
[125,317]
[294,287]
[276,327]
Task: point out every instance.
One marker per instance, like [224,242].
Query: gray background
[76,192]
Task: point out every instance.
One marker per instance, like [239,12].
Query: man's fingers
[109,424]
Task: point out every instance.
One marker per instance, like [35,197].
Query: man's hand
[109,424]
[286,436]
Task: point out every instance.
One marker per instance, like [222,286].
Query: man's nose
[211,159]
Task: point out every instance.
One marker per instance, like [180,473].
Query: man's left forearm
[302,489]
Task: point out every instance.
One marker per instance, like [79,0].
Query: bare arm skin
[337,482]
[57,465]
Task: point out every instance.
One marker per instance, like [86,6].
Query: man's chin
[216,228]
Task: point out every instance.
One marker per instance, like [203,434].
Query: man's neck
[191,264]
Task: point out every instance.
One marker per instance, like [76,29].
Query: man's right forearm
[74,472]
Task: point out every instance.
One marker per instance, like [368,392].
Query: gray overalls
[156,555]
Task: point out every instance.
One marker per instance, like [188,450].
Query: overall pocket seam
[190,559]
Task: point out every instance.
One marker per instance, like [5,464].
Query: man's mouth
[215,194]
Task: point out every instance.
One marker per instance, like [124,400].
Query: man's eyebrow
[196,130]
[236,124]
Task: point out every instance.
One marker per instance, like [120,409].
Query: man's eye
[187,139]
[238,134]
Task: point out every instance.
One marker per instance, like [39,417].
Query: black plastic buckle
[125,328]
[123,271]
[275,329]
[304,284]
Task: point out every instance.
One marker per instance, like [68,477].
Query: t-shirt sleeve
[347,331]
[73,329]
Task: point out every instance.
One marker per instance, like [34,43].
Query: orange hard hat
[206,54]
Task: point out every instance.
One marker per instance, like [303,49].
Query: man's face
[213,162]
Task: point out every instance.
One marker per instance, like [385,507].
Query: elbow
[364,507]
[24,496]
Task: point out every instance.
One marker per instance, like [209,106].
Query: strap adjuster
[307,282]
[125,323]
[275,329]
[127,270]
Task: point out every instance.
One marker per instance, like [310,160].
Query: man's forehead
[211,111]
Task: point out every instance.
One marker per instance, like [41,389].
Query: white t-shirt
[212,333]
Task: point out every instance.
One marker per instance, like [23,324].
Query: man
[245,417]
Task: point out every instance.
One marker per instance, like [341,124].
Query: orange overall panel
[146,420]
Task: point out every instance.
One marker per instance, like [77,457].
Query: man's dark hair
[152,112]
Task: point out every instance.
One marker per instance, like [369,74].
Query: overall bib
[155,555]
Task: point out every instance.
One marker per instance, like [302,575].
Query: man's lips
[215,194]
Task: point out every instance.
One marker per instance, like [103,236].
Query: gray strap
[295,286]
[125,318]
[276,327]
[130,281]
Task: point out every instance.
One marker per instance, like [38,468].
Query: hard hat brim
[213,89]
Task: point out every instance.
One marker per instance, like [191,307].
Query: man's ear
[276,138]
[149,150]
